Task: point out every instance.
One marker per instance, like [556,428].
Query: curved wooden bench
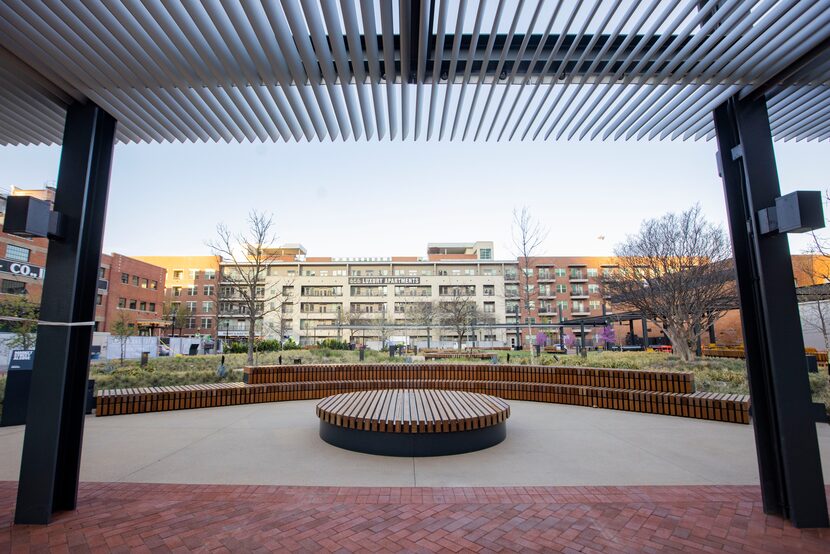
[639,391]
[413,422]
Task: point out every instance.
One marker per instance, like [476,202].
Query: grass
[711,374]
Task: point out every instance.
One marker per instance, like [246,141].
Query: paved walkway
[133,517]
[278,444]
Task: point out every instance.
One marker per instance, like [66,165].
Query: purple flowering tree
[607,335]
[541,339]
[570,341]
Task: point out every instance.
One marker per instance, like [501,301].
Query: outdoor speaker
[27,216]
[799,212]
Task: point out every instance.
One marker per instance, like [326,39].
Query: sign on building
[24,270]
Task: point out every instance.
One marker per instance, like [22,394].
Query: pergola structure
[85,73]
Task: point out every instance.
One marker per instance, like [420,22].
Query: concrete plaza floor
[277,444]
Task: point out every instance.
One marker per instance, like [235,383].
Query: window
[489,307]
[207,307]
[177,291]
[485,254]
[125,278]
[208,290]
[594,304]
[135,280]
[177,274]
[193,273]
[210,274]
[145,283]
[310,273]
[324,273]
[592,272]
[151,306]
[562,305]
[191,322]
[593,288]
[560,288]
[17,253]
[559,271]
[102,273]
[192,290]
[99,299]
[133,304]
[143,306]
[122,302]
[207,323]
[489,290]
[191,306]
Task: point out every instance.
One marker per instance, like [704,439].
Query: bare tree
[352,319]
[176,315]
[247,257]
[677,272]
[528,236]
[123,328]
[426,314]
[384,328]
[459,312]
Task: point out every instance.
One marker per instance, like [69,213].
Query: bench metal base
[413,444]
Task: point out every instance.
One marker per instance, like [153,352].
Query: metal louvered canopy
[411,69]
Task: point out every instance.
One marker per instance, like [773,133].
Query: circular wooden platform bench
[413,422]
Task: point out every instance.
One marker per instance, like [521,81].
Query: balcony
[547,293]
[511,277]
[320,293]
[579,294]
[545,276]
[581,312]
[578,277]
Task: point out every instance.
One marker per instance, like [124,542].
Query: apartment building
[132,290]
[191,287]
[23,260]
[560,288]
[365,300]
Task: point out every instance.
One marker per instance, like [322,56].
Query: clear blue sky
[382,199]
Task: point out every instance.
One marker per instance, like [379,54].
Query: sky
[378,199]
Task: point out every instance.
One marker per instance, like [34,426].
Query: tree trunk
[251,338]
[680,345]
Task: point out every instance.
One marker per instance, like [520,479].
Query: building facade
[131,291]
[191,289]
[369,300]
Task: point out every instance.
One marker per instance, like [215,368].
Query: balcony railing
[546,276]
[577,277]
[321,293]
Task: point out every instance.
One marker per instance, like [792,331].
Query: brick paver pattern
[133,517]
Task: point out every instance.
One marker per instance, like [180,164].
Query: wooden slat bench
[413,422]
[639,391]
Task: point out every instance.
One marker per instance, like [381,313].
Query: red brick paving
[132,517]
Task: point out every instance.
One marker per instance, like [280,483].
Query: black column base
[411,445]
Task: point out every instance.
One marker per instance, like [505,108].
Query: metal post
[631,332]
[582,338]
[645,334]
[55,421]
[785,434]
[712,338]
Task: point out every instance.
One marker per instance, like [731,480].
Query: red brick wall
[108,312]
[37,257]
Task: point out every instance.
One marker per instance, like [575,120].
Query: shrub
[334,344]
[290,345]
[268,345]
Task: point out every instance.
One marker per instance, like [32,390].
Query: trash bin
[145,357]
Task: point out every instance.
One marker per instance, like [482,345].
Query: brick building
[191,286]
[132,289]
[23,260]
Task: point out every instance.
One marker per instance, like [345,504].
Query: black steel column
[645,334]
[55,421]
[785,435]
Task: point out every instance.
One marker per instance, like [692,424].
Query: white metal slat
[771,42]
[278,28]
[372,56]
[567,85]
[118,104]
[194,99]
[262,43]
[389,66]
[359,114]
[25,103]
[545,68]
[438,60]
[161,25]
[468,67]
[329,99]
[403,35]
[712,49]
[629,67]
[456,49]
[519,56]
[485,62]
[602,76]
[423,46]
[217,28]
